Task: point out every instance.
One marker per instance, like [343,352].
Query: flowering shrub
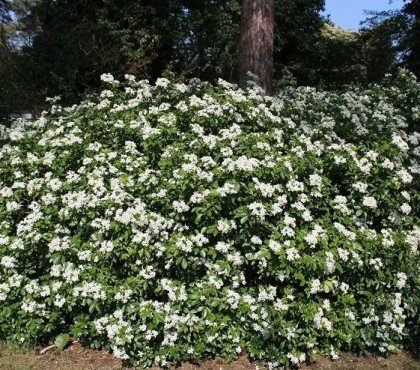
[180,222]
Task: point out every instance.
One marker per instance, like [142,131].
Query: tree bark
[415,49]
[257,42]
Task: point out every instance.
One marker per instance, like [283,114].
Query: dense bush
[181,222]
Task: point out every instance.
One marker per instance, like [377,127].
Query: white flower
[258,210]
[370,202]
[106,94]
[344,287]
[399,142]
[4,239]
[274,246]
[59,301]
[279,205]
[6,192]
[185,245]
[340,203]
[120,353]
[222,247]
[267,190]
[106,246]
[225,226]
[12,206]
[91,290]
[58,244]
[329,262]
[180,206]
[405,195]
[162,82]
[360,186]
[313,237]
[364,165]
[402,279]
[294,185]
[108,78]
[197,198]
[405,208]
[85,255]
[8,262]
[292,254]
[376,263]
[315,180]
[256,240]
[405,176]
[387,164]
[387,240]
[200,240]
[315,286]
[413,239]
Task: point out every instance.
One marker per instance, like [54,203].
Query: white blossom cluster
[184,221]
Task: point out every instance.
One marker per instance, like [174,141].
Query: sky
[349,13]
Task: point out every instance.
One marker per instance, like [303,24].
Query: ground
[75,357]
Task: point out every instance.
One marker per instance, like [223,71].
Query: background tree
[411,41]
[257,42]
[78,40]
[50,48]
[341,57]
[378,52]
[299,25]
[209,48]
[17,87]
[337,59]
[402,27]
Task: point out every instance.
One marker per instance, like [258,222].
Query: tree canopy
[61,47]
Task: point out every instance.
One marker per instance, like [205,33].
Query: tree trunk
[415,50]
[257,42]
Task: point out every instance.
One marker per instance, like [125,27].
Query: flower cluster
[177,221]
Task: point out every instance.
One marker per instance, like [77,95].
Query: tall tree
[299,26]
[412,10]
[257,42]
[402,27]
[17,87]
[209,49]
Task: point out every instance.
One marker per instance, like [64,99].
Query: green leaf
[61,341]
